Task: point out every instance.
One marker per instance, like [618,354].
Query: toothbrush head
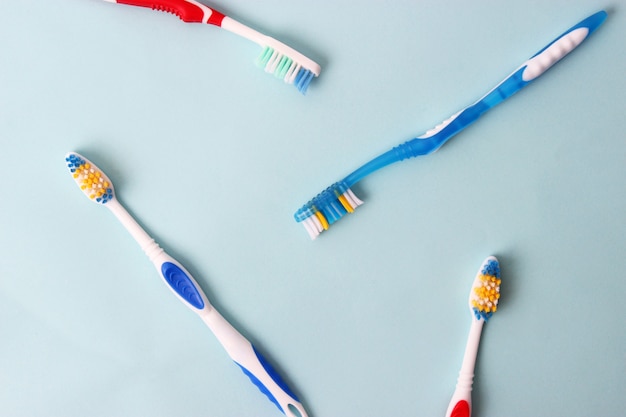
[90,179]
[326,208]
[485,293]
[287,64]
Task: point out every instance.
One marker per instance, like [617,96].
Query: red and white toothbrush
[483,302]
[276,58]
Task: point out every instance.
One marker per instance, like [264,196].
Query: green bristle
[283,67]
[265,56]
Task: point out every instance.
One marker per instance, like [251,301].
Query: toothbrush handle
[527,72]
[461,402]
[241,351]
[187,290]
[254,365]
[433,139]
[189,11]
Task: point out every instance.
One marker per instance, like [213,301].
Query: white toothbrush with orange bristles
[99,189]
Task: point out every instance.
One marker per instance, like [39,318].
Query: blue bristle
[337,208]
[331,213]
[73,162]
[482,315]
[492,268]
[330,218]
[303,79]
[326,206]
[299,76]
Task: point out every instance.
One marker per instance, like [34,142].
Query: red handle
[186,11]
[461,409]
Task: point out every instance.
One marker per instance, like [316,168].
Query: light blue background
[213,157]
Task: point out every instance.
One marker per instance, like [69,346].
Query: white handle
[187,290]
[462,397]
[254,365]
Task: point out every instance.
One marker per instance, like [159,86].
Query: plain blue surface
[213,157]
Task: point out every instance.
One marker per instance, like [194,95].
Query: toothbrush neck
[147,243]
[466,375]
[240,29]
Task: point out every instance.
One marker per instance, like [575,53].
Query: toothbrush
[483,302]
[276,57]
[337,200]
[99,188]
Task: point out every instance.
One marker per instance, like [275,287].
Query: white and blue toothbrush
[98,188]
[337,200]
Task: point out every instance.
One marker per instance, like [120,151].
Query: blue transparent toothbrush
[333,203]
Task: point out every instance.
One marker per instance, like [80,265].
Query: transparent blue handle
[529,71]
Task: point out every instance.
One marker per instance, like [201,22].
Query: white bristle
[352,198]
[273,62]
[290,75]
[312,228]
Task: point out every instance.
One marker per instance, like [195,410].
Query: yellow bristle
[322,220]
[487,293]
[345,204]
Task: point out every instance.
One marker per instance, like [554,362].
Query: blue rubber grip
[182,284]
[273,374]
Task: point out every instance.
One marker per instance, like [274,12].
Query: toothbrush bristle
[90,179]
[303,79]
[486,290]
[286,68]
[326,208]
